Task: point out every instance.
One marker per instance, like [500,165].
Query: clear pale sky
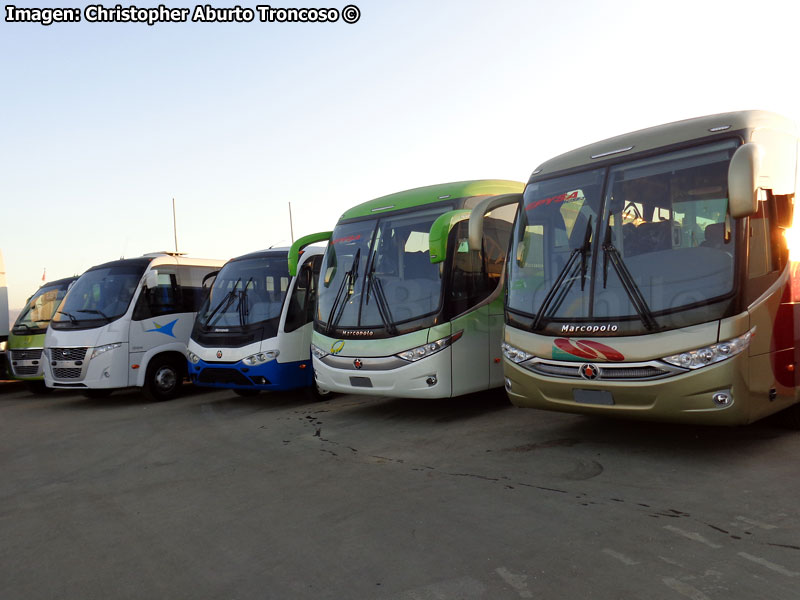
[103,124]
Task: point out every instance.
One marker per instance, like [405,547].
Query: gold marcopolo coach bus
[651,276]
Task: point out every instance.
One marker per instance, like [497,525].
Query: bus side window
[164,299]
[767,252]
[301,303]
[195,283]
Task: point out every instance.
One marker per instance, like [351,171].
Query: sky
[103,124]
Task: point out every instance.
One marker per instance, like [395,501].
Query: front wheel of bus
[790,417]
[163,380]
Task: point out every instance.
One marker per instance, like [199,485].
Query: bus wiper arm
[225,301]
[93,311]
[563,274]
[611,254]
[383,305]
[244,310]
[70,316]
[348,280]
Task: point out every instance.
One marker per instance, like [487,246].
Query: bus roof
[433,193]
[664,135]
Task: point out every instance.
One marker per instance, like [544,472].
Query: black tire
[317,394]
[163,380]
[37,387]
[790,417]
[98,393]
[247,393]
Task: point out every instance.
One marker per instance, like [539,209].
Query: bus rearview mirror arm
[743,173]
[297,247]
[479,213]
[440,230]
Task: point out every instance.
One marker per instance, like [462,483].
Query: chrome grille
[606,371]
[67,353]
[26,354]
[66,373]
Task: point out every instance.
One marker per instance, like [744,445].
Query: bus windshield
[377,273]
[99,296]
[40,308]
[635,242]
[247,292]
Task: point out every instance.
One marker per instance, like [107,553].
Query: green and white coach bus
[409,298]
[650,275]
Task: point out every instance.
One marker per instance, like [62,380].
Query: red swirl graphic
[589,349]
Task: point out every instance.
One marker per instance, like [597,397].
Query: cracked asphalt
[277,496]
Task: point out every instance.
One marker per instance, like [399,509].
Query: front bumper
[683,398]
[429,377]
[271,375]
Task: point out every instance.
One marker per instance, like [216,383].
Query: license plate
[601,397]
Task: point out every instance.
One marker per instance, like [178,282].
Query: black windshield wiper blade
[564,274]
[70,316]
[347,281]
[93,311]
[244,309]
[611,254]
[225,301]
[383,305]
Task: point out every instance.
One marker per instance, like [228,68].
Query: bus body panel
[116,355]
[754,382]
[223,367]
[30,348]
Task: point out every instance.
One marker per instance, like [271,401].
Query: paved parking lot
[217,496]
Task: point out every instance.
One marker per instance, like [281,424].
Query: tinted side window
[303,299]
[164,299]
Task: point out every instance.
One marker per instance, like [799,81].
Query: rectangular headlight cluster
[708,355]
[414,354]
[513,354]
[103,349]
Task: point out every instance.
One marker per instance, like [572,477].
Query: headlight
[101,349]
[515,355]
[426,350]
[193,358]
[694,359]
[261,358]
[318,352]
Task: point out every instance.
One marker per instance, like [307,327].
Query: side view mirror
[743,180]
[294,251]
[437,238]
[479,213]
[151,279]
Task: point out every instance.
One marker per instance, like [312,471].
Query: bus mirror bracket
[294,251]
[743,174]
[440,230]
[479,212]
[151,279]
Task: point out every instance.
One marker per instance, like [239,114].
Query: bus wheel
[37,387]
[98,393]
[317,393]
[162,380]
[246,392]
[790,417]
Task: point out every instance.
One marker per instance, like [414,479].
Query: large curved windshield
[40,308]
[657,241]
[377,273]
[246,292]
[99,296]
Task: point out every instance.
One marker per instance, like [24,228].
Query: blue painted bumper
[271,375]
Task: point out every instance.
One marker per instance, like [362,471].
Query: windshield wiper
[610,253]
[225,301]
[347,281]
[71,317]
[380,300]
[92,311]
[244,310]
[563,275]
